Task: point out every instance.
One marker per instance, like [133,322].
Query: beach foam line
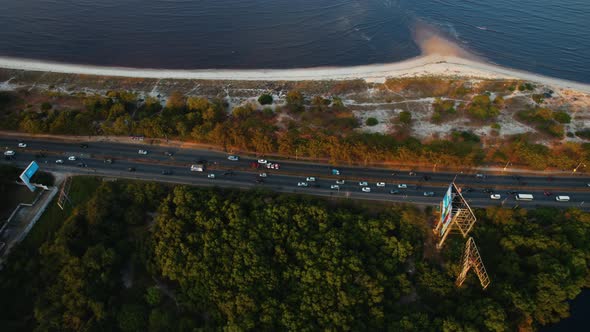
[428,65]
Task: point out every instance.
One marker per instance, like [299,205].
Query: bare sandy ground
[427,65]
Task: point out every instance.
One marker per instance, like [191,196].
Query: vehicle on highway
[262,161]
[82,165]
[588,185]
[524,197]
[144,152]
[480,176]
[495,196]
[272,166]
[131,169]
[108,161]
[198,168]
[339,181]
[366,189]
[263,175]
[259,180]
[310,179]
[335,171]
[166,172]
[22,145]
[84,146]
[467,189]
[380,184]
[59,161]
[511,192]
[547,193]
[72,158]
[302,184]
[402,186]
[488,190]
[363,183]
[429,193]
[230,172]
[562,198]
[211,176]
[412,173]
[394,191]
[9,153]
[168,154]
[233,158]
[335,187]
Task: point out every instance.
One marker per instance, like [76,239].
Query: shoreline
[425,65]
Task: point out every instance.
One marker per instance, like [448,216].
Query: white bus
[562,198]
[524,197]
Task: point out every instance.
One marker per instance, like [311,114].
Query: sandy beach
[427,65]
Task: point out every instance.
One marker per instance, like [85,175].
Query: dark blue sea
[544,36]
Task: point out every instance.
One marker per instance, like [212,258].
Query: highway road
[241,174]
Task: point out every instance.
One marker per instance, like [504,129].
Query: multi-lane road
[91,156]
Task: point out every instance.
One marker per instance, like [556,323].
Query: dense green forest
[133,256]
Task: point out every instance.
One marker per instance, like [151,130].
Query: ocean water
[544,36]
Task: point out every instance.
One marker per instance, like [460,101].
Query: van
[524,197]
[562,198]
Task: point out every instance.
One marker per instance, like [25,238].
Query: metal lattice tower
[462,219]
[472,259]
[63,194]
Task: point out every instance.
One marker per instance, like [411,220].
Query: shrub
[405,118]
[46,106]
[295,100]
[496,126]
[482,108]
[562,117]
[585,134]
[538,98]
[265,99]
[372,122]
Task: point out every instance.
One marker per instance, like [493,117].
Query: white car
[380,184]
[211,176]
[144,152]
[262,161]
[9,153]
[233,158]
[59,161]
[302,184]
[366,189]
[22,145]
[263,175]
[72,158]
[363,183]
[495,196]
[272,166]
[339,181]
[335,187]
[402,186]
[310,179]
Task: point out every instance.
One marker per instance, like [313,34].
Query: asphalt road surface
[90,159]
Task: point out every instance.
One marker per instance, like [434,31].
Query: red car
[546,193]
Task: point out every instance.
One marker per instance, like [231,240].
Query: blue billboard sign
[28,173]
[446,211]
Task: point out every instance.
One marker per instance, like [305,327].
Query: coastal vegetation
[130,256]
[317,120]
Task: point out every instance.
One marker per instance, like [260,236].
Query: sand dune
[427,65]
